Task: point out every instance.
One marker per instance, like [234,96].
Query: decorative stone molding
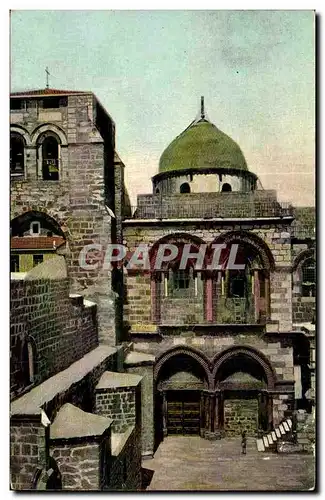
[188,351]
[220,358]
[49,127]
[17,129]
[302,256]
[251,239]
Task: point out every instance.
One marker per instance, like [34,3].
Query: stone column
[217,289]
[221,411]
[260,430]
[211,416]
[212,411]
[269,412]
[209,298]
[256,296]
[202,416]
[155,297]
[216,411]
[267,297]
[164,412]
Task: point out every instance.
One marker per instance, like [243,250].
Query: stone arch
[196,355]
[49,127]
[250,239]
[35,212]
[17,129]
[302,256]
[305,258]
[176,238]
[250,352]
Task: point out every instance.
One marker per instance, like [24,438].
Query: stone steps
[266,442]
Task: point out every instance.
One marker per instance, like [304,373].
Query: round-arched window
[185,188]
[17,155]
[226,188]
[50,159]
[308,273]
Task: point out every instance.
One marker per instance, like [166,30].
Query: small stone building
[232,348]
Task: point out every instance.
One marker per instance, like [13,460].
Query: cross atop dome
[202,108]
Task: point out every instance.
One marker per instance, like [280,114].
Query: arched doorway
[181,379]
[243,401]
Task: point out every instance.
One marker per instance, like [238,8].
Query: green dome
[202,145]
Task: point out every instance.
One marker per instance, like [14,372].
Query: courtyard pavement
[193,463]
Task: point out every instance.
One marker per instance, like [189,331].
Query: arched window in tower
[226,188]
[50,159]
[308,278]
[17,154]
[185,188]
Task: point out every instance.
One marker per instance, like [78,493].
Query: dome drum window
[226,188]
[185,188]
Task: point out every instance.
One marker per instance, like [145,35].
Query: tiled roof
[47,92]
[35,243]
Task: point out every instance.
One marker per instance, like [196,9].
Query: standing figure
[243,442]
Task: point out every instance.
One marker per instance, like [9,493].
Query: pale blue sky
[149,69]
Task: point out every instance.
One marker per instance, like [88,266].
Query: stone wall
[125,470]
[194,205]
[137,305]
[31,432]
[239,415]
[147,406]
[27,451]
[305,430]
[79,465]
[62,329]
[303,309]
[118,405]
[182,311]
[283,407]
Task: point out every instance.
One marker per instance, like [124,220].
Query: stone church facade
[233,349]
[147,352]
